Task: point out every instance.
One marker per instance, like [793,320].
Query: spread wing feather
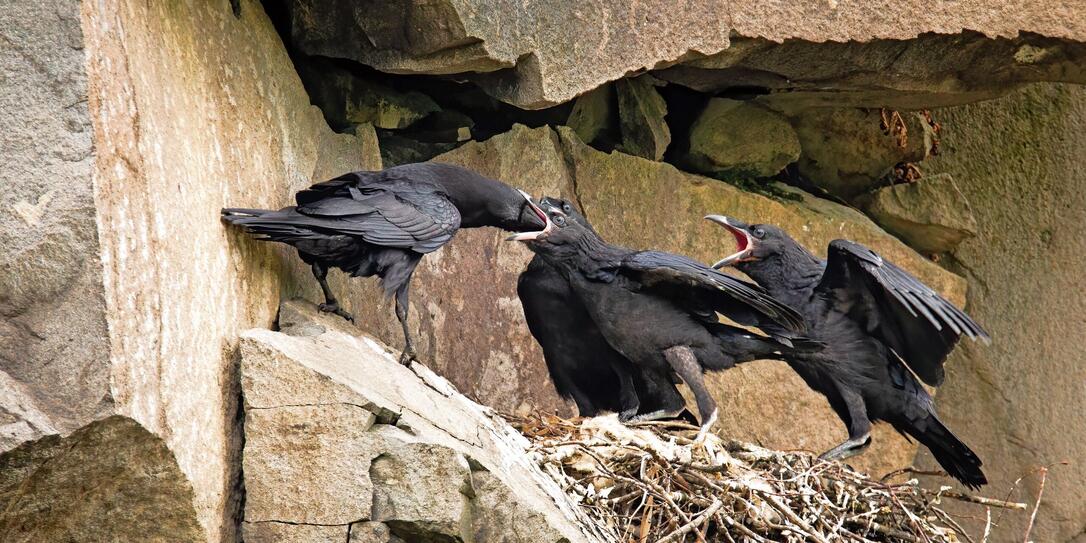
[916,322]
[703,288]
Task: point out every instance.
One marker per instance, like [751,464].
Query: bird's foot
[848,449]
[408,356]
[659,414]
[705,427]
[628,415]
[334,308]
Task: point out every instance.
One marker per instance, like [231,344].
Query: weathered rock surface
[735,139]
[317,454]
[931,215]
[306,463]
[847,151]
[934,67]
[53,341]
[641,112]
[21,419]
[422,491]
[120,291]
[111,480]
[593,113]
[543,53]
[281,532]
[347,98]
[1019,402]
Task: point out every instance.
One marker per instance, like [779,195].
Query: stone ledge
[317,459]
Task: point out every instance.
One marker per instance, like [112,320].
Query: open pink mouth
[744,243]
[531,236]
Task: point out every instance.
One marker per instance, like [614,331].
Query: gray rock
[931,215]
[537,54]
[641,112]
[1019,402]
[322,458]
[926,70]
[309,464]
[497,517]
[53,332]
[593,113]
[847,152]
[421,491]
[281,532]
[347,98]
[738,140]
[369,532]
[109,481]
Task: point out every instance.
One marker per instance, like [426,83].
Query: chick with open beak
[744,240]
[548,226]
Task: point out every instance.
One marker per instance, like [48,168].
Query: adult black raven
[882,328]
[582,365]
[382,223]
[659,310]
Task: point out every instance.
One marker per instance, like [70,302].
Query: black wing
[702,289]
[420,221]
[905,314]
[421,177]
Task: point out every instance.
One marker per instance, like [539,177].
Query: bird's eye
[566,208]
[758,233]
[559,220]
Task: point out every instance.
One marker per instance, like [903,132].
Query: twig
[987,525]
[960,496]
[674,536]
[1037,505]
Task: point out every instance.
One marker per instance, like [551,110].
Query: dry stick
[987,525]
[792,516]
[646,520]
[984,501]
[1036,506]
[902,471]
[886,530]
[746,531]
[952,523]
[689,526]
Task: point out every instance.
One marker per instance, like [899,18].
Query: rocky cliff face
[124,302]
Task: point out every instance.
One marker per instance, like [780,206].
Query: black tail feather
[959,461]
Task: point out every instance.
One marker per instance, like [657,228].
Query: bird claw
[335,309]
[407,357]
[628,415]
[704,431]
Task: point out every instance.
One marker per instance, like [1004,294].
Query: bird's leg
[627,394]
[330,304]
[685,364]
[673,403]
[859,427]
[402,305]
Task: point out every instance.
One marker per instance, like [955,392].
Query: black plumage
[884,331]
[659,310]
[382,223]
[582,365]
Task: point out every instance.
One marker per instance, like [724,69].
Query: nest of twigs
[650,482]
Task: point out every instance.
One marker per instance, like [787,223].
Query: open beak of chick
[548,226]
[743,240]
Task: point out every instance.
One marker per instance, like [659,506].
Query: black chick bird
[582,365]
[659,310]
[382,223]
[882,328]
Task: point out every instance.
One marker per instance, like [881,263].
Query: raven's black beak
[547,225]
[743,239]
